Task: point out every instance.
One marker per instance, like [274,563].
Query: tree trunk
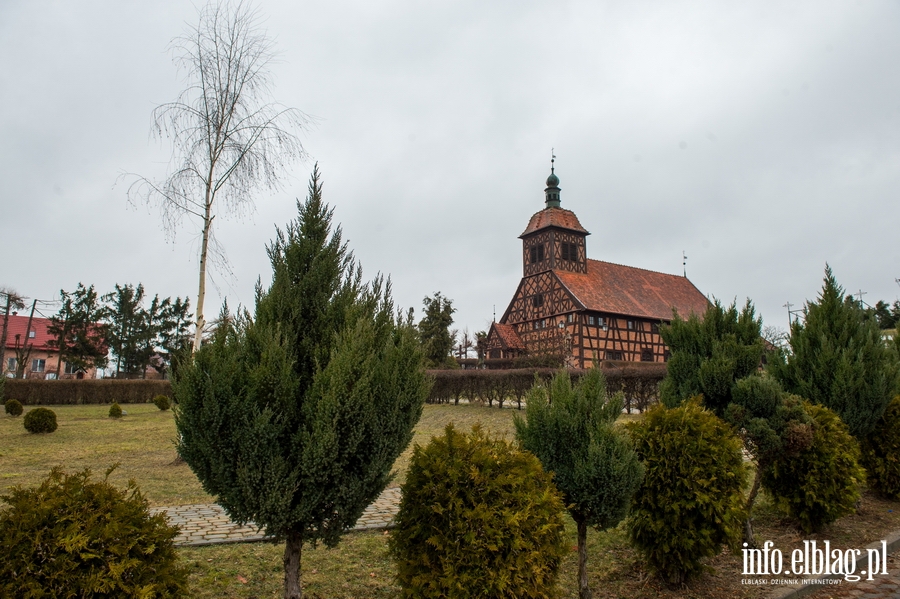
[292,546]
[201,292]
[584,592]
[748,525]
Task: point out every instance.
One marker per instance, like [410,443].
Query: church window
[613,355]
[646,355]
[591,320]
[537,253]
[538,300]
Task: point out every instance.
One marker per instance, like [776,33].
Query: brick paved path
[207,523]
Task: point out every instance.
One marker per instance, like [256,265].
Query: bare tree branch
[229,138]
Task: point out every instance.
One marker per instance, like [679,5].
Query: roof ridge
[658,272]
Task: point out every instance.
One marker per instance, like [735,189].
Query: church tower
[554,239]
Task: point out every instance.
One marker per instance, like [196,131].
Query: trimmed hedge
[90,391]
[638,381]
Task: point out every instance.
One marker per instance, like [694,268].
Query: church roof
[554,217]
[618,289]
[508,336]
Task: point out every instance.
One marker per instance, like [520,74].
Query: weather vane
[552,159]
[684,262]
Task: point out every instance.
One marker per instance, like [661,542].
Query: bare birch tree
[229,138]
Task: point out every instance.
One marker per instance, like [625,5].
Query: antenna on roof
[684,262]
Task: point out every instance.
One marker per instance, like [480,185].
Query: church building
[582,309]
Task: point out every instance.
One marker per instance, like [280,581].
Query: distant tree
[229,138]
[137,335]
[434,329]
[293,418]
[886,315]
[77,331]
[126,327]
[571,431]
[839,360]
[465,345]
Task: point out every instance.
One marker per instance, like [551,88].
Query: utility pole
[12,299]
[22,354]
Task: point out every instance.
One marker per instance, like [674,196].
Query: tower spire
[551,193]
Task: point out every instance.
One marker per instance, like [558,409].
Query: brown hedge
[73,391]
[639,381]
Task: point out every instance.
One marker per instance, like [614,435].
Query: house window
[646,355]
[537,253]
[11,364]
[71,368]
[591,320]
[613,355]
[37,365]
[538,300]
[31,334]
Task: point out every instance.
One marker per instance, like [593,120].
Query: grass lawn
[142,442]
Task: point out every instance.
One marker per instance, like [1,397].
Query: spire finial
[552,159]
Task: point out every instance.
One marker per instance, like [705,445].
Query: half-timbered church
[581,309]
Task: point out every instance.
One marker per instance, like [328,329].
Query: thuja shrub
[691,501]
[74,537]
[13,407]
[162,402]
[478,518]
[823,482]
[881,453]
[40,420]
[115,410]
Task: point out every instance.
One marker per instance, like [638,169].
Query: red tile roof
[553,217]
[17,326]
[618,289]
[508,336]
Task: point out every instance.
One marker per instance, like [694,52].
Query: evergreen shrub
[691,501]
[13,407]
[74,537]
[115,410]
[40,420]
[162,402]
[823,482]
[881,453]
[478,518]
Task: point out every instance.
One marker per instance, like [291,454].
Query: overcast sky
[760,138]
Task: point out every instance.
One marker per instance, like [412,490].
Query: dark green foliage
[572,432]
[691,501]
[115,411]
[823,482]
[886,316]
[74,537]
[79,336]
[13,407]
[434,330]
[162,402]
[294,418]
[881,452]
[478,518]
[839,360]
[40,420]
[709,355]
[136,334]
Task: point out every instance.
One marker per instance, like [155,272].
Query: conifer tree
[293,417]
[838,359]
[571,431]
[718,358]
